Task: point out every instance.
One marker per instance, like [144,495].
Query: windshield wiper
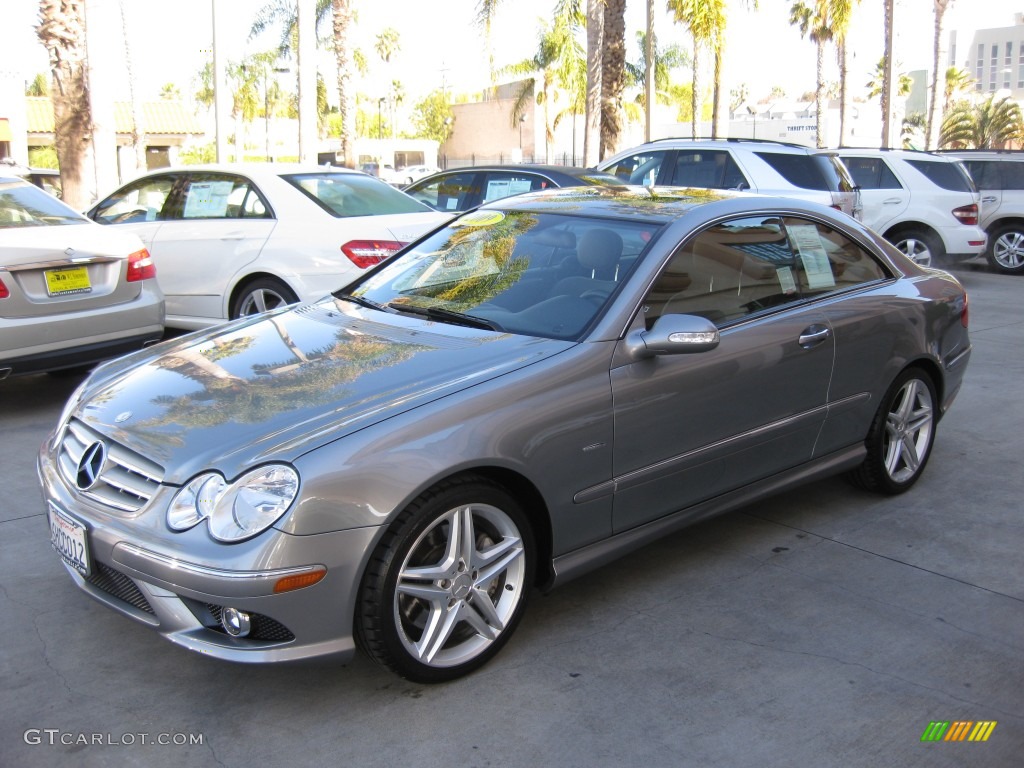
[363,302]
[439,313]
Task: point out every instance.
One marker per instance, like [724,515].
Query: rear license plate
[61,282]
[68,537]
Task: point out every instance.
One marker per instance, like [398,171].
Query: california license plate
[68,537]
[61,282]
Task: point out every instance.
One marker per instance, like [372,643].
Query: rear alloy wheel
[901,435]
[448,583]
[1006,250]
[262,295]
[919,246]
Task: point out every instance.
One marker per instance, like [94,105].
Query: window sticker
[786,281]
[207,199]
[479,219]
[808,244]
[498,188]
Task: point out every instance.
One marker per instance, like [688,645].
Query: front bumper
[143,571]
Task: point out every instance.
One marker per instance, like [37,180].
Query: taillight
[4,290]
[967,214]
[366,253]
[140,266]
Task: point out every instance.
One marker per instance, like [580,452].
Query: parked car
[231,240]
[412,173]
[71,293]
[924,204]
[999,176]
[545,383]
[464,188]
[383,171]
[47,179]
[767,167]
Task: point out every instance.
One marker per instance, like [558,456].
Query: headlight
[237,510]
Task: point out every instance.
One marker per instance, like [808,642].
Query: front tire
[1006,250]
[900,439]
[448,582]
[262,295]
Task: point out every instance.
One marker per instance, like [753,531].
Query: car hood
[278,385]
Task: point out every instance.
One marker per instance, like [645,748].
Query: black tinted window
[711,168]
[641,168]
[453,192]
[1012,174]
[799,170]
[946,175]
[871,173]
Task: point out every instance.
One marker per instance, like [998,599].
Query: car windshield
[547,275]
[25,205]
[352,194]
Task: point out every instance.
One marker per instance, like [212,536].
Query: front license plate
[68,537]
[60,282]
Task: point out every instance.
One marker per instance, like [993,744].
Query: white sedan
[234,240]
[71,293]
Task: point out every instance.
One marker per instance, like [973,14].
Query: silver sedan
[519,397]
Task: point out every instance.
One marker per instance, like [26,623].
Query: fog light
[235,622]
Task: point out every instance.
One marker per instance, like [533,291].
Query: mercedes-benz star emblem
[91,465]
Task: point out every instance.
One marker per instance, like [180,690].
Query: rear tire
[1006,249]
[900,439]
[448,583]
[920,246]
[262,295]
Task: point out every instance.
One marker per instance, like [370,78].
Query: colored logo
[959,730]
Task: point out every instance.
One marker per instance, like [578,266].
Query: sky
[440,45]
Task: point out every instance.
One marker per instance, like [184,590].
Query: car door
[140,207]
[883,195]
[217,228]
[689,427]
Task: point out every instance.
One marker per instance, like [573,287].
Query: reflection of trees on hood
[291,384]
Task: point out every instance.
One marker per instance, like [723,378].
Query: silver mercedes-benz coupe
[535,388]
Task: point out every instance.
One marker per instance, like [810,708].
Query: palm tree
[484,17]
[673,57]
[813,22]
[989,125]
[719,52]
[957,81]
[938,53]
[841,14]
[702,19]
[904,82]
[595,43]
[61,30]
[887,65]
[613,75]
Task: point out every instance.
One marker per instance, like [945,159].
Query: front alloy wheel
[448,583]
[901,435]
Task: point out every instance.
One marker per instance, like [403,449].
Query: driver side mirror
[673,335]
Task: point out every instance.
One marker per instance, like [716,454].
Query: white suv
[924,204]
[999,176]
[768,167]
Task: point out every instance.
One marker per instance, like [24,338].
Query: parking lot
[826,627]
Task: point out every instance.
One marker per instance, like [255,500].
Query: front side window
[642,168]
[453,192]
[142,200]
[871,173]
[749,266]
[547,275]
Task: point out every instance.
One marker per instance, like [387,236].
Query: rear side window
[946,175]
[799,170]
[871,173]
[993,174]
[710,168]
[353,194]
[24,205]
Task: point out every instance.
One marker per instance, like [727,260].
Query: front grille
[263,627]
[126,481]
[118,585]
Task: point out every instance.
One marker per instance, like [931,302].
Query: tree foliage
[432,117]
[992,124]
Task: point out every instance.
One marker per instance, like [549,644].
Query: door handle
[989,199]
[233,236]
[813,336]
[893,201]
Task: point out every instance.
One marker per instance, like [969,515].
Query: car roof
[660,204]
[553,170]
[254,170]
